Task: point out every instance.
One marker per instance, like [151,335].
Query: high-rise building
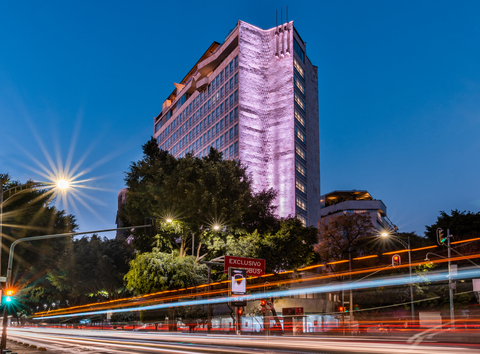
[255,98]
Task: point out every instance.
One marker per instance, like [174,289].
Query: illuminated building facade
[254,98]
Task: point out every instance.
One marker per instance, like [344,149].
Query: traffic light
[441,238]
[263,303]
[9,295]
[396,260]
[342,309]
[152,230]
[239,311]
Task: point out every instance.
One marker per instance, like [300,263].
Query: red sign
[253,266]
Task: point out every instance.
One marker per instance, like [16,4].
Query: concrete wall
[313,144]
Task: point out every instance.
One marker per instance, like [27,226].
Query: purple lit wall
[266,123]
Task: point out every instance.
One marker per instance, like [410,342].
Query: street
[92,341]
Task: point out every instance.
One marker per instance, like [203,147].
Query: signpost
[253,266]
[238,268]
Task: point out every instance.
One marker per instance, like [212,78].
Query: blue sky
[399,92]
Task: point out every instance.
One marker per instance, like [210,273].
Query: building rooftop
[336,197]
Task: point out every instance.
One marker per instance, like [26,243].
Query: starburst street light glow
[63,184]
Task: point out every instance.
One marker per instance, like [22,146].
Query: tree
[92,268]
[343,236]
[290,247]
[157,271]
[463,225]
[195,192]
[32,213]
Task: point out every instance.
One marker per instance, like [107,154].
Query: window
[236,95]
[221,92]
[299,118]
[300,169]
[298,50]
[235,60]
[208,134]
[226,136]
[299,101]
[298,67]
[231,133]
[231,82]
[300,152]
[303,219]
[216,144]
[225,153]
[221,108]
[158,126]
[236,111]
[231,150]
[302,187]
[216,127]
[236,129]
[221,76]
[221,140]
[201,125]
[235,78]
[299,134]
[231,99]
[235,146]
[299,85]
[231,66]
[221,124]
[301,203]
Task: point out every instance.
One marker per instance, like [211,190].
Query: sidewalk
[15,347]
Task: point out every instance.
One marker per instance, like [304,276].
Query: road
[103,342]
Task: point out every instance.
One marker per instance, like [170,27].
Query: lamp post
[3,342]
[407,247]
[11,192]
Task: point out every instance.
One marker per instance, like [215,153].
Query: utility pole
[411,285]
[351,291]
[451,284]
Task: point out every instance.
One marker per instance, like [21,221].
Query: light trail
[346,273]
[148,298]
[170,342]
[386,282]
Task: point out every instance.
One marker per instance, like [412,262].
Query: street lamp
[407,247]
[63,184]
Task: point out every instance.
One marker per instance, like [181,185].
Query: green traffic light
[8,299]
